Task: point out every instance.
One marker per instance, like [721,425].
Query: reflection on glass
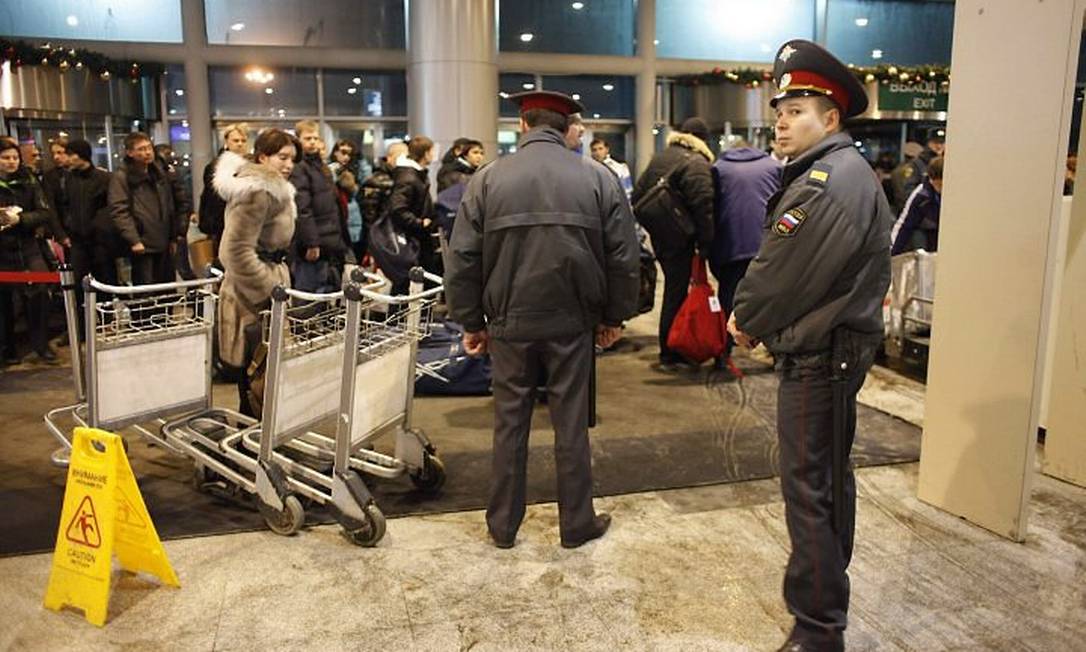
[901,32]
[603,96]
[156,21]
[375,24]
[365,93]
[289,92]
[730,30]
[596,27]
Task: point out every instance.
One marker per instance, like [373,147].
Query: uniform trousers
[516,367]
[816,585]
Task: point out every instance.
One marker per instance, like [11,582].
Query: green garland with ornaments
[884,74]
[22,53]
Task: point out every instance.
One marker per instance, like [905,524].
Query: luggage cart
[147,352]
[376,378]
[912,301]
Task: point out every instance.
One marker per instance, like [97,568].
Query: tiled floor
[690,569]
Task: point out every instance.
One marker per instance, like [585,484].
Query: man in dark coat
[535,276]
[745,178]
[410,206]
[212,206]
[814,295]
[320,239]
[150,209]
[687,159]
[918,225]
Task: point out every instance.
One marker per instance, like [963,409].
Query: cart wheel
[285,522]
[372,532]
[431,477]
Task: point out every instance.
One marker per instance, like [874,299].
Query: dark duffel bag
[449,370]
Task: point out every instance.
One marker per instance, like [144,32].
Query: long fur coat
[259,217]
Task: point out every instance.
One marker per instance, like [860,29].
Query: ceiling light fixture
[876,54]
[576,96]
[577,6]
[527,37]
[527,86]
[180,92]
[596,116]
[861,22]
[258,76]
[608,87]
[352,90]
[269,90]
[72,21]
[356,81]
[237,27]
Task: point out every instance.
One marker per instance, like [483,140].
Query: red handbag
[700,329]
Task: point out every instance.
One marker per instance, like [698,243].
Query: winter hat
[80,147]
[696,127]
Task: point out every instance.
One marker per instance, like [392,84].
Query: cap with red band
[803,69]
[550,100]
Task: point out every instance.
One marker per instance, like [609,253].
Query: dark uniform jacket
[148,206]
[693,179]
[824,262]
[543,247]
[320,223]
[20,249]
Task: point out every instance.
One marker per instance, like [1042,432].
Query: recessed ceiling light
[179,92]
[577,6]
[576,96]
[656,41]
[72,20]
[184,123]
[352,90]
[237,27]
[596,116]
[527,86]
[503,95]
[861,22]
[527,37]
[941,132]
[173,111]
[858,144]
[608,87]
[269,90]
[876,54]
[356,81]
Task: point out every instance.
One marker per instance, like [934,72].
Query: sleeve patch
[787,224]
[820,173]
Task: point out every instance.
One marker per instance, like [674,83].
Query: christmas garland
[884,74]
[21,53]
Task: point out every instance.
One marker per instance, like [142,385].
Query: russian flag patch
[787,224]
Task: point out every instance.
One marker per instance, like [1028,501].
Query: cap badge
[786,81]
[787,52]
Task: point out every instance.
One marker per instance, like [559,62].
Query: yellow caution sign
[103,515]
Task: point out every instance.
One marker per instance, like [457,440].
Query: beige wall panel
[1000,212]
[1065,443]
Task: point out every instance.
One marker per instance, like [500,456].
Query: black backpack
[662,212]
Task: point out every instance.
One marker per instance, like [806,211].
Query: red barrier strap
[29,277]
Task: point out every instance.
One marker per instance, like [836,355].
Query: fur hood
[237,177]
[692,142]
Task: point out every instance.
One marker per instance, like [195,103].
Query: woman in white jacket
[259,224]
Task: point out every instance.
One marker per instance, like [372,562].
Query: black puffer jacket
[410,202]
[20,248]
[375,193]
[455,171]
[693,179]
[212,206]
[320,223]
[85,212]
[543,245]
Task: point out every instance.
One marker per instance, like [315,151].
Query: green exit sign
[918,96]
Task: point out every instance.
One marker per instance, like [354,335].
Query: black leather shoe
[599,528]
[504,544]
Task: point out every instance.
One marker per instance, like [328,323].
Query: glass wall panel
[365,93]
[730,30]
[377,24]
[604,96]
[902,32]
[589,27]
[157,21]
[263,92]
[508,84]
[176,97]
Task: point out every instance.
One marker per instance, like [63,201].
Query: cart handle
[282,293]
[368,280]
[90,283]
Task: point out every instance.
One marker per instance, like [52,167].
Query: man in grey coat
[542,264]
[814,295]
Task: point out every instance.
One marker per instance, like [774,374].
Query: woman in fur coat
[259,224]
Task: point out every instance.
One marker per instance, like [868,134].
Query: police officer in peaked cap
[814,296]
[543,264]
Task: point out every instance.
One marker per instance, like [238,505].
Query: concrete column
[197,92]
[645,91]
[452,72]
[997,246]
[1065,442]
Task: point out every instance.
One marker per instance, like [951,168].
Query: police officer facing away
[814,295]
[542,264]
